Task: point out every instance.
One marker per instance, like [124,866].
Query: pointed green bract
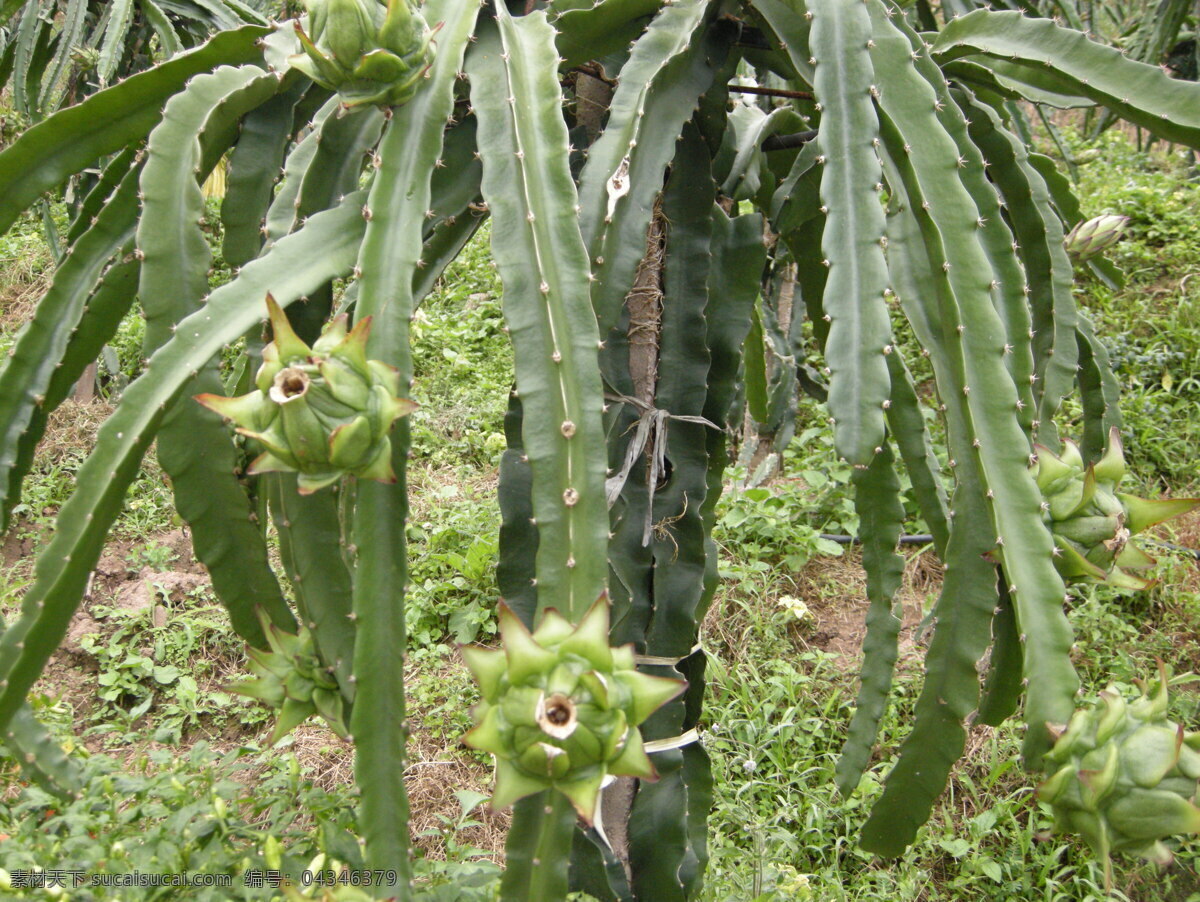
[292,678]
[1093,523]
[304,421]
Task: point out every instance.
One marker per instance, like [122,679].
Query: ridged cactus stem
[1037,231]
[31,363]
[537,244]
[671,65]
[388,262]
[106,307]
[108,121]
[1141,93]
[253,165]
[323,249]
[193,444]
[854,302]
[969,350]
[536,865]
[1009,287]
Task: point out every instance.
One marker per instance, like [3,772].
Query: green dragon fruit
[1092,522]
[364,50]
[561,709]
[291,678]
[1089,238]
[323,412]
[1126,776]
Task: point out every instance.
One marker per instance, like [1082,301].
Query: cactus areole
[323,412]
[561,709]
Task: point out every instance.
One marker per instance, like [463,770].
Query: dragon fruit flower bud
[1089,238]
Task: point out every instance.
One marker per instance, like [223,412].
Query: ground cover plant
[630,279]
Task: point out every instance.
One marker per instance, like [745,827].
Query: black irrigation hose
[1170,546]
[854,540]
[925,539]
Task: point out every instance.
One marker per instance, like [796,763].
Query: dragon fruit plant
[630,180]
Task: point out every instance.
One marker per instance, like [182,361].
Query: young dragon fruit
[364,50]
[1092,522]
[290,677]
[1126,776]
[561,708]
[323,412]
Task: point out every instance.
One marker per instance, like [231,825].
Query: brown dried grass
[71,428]
[23,283]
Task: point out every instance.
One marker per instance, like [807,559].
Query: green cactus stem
[323,412]
[1127,776]
[561,709]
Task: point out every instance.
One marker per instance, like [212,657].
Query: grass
[179,779]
